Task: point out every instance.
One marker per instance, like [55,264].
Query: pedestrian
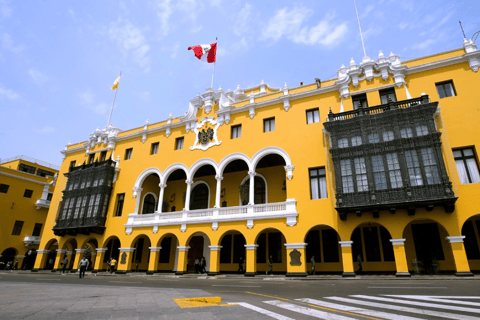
[203,264]
[15,265]
[240,265]
[270,266]
[312,260]
[137,263]
[9,265]
[359,262]
[50,263]
[64,264]
[197,266]
[83,267]
[113,262]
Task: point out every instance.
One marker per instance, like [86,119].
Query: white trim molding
[183,248]
[79,250]
[126,249]
[43,251]
[345,244]
[455,239]
[296,245]
[155,249]
[215,248]
[102,250]
[397,242]
[250,246]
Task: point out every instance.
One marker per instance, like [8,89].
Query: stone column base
[349,275]
[459,274]
[296,274]
[249,274]
[403,274]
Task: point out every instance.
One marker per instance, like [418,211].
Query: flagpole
[111,110]
[360,27]
[213,74]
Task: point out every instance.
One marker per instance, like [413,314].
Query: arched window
[148,204]
[199,197]
[259,193]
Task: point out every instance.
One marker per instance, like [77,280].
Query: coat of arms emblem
[205,137]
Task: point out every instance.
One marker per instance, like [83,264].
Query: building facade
[377,166]
[26,189]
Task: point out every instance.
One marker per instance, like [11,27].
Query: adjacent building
[26,189]
[377,166]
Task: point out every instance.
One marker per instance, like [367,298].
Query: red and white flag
[205,52]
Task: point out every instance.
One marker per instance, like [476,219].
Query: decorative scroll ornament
[206,136]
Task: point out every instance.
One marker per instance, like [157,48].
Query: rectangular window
[360,100]
[406,133]
[27,169]
[387,95]
[37,230]
[17,228]
[269,125]
[179,143]
[361,174]
[28,193]
[97,205]
[318,183]
[128,153]
[70,208]
[4,188]
[379,173]
[44,173]
[467,165]
[72,163]
[313,116]
[388,136]
[49,196]
[413,168]
[421,131]
[445,89]
[90,205]
[394,170]
[84,207]
[91,158]
[347,176]
[77,208]
[343,143]
[154,148]
[236,131]
[65,209]
[103,156]
[120,199]
[429,163]
[374,138]
[356,141]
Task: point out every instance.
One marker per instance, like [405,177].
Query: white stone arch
[245,180]
[145,195]
[208,187]
[172,168]
[197,165]
[137,189]
[274,150]
[232,157]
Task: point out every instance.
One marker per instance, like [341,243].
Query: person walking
[15,265]
[113,263]
[203,264]
[270,266]
[312,260]
[359,262]
[64,264]
[240,265]
[197,266]
[83,267]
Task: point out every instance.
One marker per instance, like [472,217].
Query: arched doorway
[272,168]
[372,245]
[232,253]
[427,248]
[199,197]
[141,255]
[150,190]
[70,247]
[90,252]
[7,256]
[323,245]
[167,261]
[199,248]
[149,204]
[112,245]
[175,192]
[271,243]
[471,231]
[233,173]
[52,247]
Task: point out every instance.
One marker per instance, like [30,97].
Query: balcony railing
[247,213]
[31,239]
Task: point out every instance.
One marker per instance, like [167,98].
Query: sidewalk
[258,276]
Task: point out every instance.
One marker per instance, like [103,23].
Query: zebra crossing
[391,307]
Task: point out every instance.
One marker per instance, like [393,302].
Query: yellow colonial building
[375,169]
[26,189]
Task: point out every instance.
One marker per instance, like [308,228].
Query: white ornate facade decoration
[197,144]
[472,54]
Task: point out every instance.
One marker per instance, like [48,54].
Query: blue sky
[58,59]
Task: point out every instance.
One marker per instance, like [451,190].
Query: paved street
[64,296]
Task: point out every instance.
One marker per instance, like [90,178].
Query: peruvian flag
[205,52]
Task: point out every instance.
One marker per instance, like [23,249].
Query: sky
[59,59]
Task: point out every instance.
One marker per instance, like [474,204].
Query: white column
[219,191]
[187,196]
[251,195]
[160,197]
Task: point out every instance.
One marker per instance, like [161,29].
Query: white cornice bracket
[286,104]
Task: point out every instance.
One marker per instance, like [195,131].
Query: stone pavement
[40,301]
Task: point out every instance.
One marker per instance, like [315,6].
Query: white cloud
[7,44]
[132,42]
[5,11]
[241,45]
[145,96]
[289,23]
[188,10]
[243,19]
[425,44]
[8,93]
[87,99]
[173,49]
[37,77]
[46,129]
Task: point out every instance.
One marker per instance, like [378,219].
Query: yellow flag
[115,84]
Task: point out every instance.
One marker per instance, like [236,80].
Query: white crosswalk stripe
[348,308]
[358,310]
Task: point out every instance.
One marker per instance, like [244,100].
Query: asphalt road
[263,297]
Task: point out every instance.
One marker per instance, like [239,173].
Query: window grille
[467,165]
[406,133]
[388,136]
[356,141]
